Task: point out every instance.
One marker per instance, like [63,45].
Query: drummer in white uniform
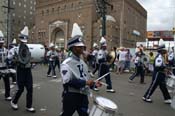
[158,78]
[74,73]
[3,67]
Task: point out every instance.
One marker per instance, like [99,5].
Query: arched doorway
[58,37]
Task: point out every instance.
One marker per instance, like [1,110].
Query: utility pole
[121,23]
[101,8]
[9,8]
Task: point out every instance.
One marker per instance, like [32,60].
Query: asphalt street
[47,97]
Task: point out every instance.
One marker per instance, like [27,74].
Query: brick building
[21,15]
[54,20]
[3,17]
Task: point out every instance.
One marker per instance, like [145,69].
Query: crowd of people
[78,67]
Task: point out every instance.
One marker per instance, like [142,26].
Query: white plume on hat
[1,37]
[76,37]
[103,41]
[161,42]
[76,30]
[56,47]
[14,41]
[95,45]
[1,34]
[25,31]
[51,45]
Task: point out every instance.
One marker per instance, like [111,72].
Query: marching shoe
[130,81]
[30,109]
[48,75]
[14,83]
[143,98]
[54,76]
[110,90]
[14,106]
[147,100]
[8,98]
[168,101]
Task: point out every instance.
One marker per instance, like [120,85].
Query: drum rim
[170,79]
[104,107]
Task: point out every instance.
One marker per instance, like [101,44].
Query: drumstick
[103,76]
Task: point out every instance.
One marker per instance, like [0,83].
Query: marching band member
[139,67]
[58,57]
[171,60]
[103,66]
[158,77]
[74,73]
[10,63]
[51,56]
[94,54]
[24,74]
[3,56]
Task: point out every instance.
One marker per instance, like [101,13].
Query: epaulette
[67,60]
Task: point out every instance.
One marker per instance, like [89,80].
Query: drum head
[106,103]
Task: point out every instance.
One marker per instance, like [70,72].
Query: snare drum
[103,107]
[171,81]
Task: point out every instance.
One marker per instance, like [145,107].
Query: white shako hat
[23,36]
[1,37]
[103,41]
[76,37]
[161,48]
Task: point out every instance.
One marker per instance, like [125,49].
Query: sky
[160,14]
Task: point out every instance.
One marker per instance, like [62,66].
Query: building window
[72,5]
[24,5]
[13,20]
[53,10]
[19,4]
[14,2]
[47,11]
[31,12]
[19,22]
[42,13]
[58,8]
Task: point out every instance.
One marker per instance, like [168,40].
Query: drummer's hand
[98,84]
[90,82]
